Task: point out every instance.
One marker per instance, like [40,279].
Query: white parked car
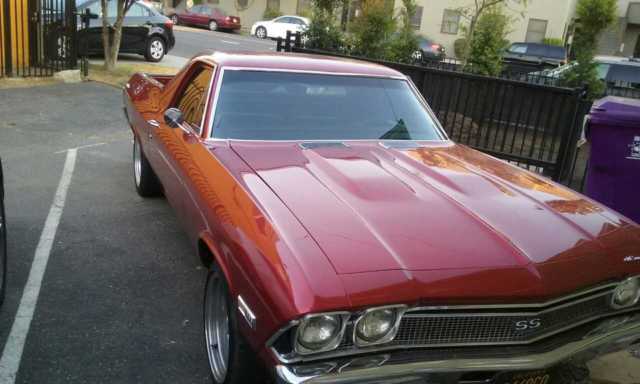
[279,26]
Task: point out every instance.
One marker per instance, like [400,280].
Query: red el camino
[348,240]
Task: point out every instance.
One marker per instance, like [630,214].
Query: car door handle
[153,123]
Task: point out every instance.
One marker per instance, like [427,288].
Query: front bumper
[448,366]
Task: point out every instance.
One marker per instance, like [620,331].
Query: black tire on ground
[242,366]
[261,32]
[156,49]
[213,26]
[175,19]
[3,244]
[144,177]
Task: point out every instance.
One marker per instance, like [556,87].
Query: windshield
[258,105]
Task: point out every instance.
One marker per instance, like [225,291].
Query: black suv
[145,31]
[534,56]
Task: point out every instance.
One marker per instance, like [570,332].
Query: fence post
[298,40]
[568,144]
[287,42]
[279,44]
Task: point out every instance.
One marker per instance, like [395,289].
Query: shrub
[459,47]
[373,30]
[553,41]
[594,16]
[488,43]
[270,14]
[405,42]
[323,32]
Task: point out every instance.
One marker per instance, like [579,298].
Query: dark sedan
[208,16]
[428,51]
[3,241]
[145,31]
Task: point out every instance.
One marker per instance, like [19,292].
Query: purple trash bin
[613,174]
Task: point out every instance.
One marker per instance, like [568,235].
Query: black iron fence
[38,37]
[535,126]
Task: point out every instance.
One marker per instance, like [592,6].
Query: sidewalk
[619,368]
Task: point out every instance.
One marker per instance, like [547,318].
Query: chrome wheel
[216,327]
[213,25]
[156,49]
[261,32]
[137,162]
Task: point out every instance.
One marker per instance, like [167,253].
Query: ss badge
[524,325]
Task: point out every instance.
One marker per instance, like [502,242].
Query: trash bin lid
[618,111]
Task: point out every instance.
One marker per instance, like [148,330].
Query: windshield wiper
[398,132]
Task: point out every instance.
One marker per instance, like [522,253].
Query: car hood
[399,206]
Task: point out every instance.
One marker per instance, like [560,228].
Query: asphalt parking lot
[120,300]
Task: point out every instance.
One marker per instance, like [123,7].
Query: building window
[416,20]
[243,4]
[450,22]
[273,5]
[536,31]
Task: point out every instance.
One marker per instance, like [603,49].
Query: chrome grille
[495,326]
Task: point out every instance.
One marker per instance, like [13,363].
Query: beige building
[441,21]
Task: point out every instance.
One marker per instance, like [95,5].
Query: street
[121,295]
[191,41]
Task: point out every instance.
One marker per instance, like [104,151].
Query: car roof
[617,60]
[296,62]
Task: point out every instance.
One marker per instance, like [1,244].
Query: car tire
[213,26]
[231,360]
[261,33]
[3,244]
[156,49]
[144,177]
[175,19]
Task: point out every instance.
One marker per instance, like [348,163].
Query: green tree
[405,42]
[473,13]
[373,29]
[488,43]
[553,41]
[324,32]
[594,16]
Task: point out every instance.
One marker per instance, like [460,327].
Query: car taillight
[229,18]
[168,24]
[435,46]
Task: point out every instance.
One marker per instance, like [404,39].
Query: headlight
[320,333]
[378,325]
[626,294]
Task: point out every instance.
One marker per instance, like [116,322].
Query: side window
[518,48]
[194,97]
[137,10]
[196,9]
[280,20]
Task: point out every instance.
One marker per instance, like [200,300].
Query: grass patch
[123,71]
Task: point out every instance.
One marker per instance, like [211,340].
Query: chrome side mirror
[173,117]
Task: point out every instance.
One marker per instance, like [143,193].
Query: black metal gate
[38,37]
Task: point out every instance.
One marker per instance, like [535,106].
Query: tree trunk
[112,34]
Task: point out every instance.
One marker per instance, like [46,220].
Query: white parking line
[12,353]
[230,42]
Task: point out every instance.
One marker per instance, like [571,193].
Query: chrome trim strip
[512,306]
[247,313]
[584,349]
[411,314]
